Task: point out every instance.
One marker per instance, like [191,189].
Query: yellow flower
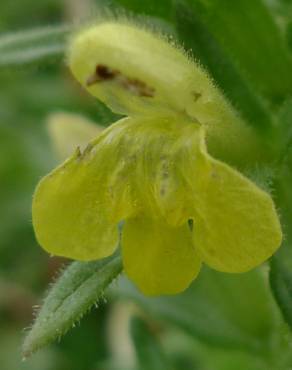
[179,206]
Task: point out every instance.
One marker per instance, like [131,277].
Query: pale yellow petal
[160,259]
[181,163]
[69,215]
[236,227]
[76,208]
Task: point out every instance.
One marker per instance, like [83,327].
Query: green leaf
[281,284]
[281,11]
[248,34]
[281,263]
[197,37]
[285,126]
[289,34]
[150,355]
[77,289]
[222,309]
[31,45]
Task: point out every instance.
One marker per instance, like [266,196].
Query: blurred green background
[222,322]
